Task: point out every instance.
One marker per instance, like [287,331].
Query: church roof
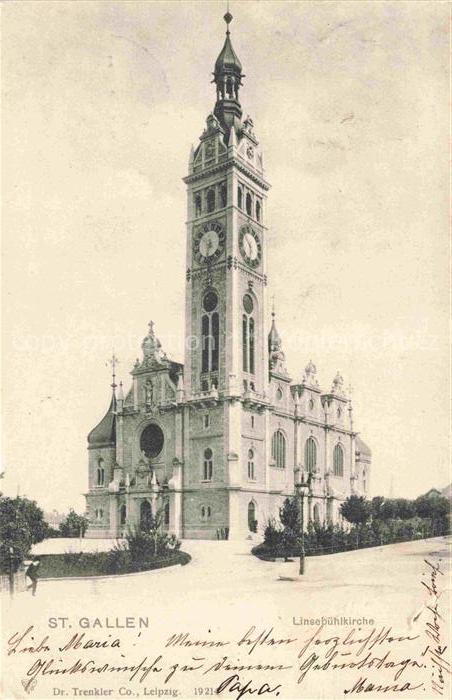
[104,434]
[361,447]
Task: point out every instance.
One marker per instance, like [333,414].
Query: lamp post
[301,487]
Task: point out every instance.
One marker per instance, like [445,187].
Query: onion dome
[228,61]
[104,434]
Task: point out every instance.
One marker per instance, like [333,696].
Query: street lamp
[302,487]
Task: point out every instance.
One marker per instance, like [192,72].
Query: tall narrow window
[239,197]
[100,472]
[338,461]
[279,449]
[123,514]
[251,338]
[215,341]
[198,205]
[205,348]
[223,195]
[249,204]
[310,455]
[211,200]
[258,211]
[208,464]
[167,513]
[245,342]
[251,465]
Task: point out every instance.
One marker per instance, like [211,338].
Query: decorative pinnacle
[113,362]
[273,306]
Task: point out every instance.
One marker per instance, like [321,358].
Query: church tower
[226,341]
[226,190]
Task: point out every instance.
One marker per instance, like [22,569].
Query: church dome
[104,434]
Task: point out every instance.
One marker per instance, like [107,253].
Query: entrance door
[252,522]
[145,515]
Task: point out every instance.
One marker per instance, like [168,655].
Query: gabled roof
[104,434]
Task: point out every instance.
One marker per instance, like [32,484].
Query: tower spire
[228,79]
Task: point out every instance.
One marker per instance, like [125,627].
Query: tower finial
[273,306]
[228,18]
[113,362]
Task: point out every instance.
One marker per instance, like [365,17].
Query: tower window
[167,513]
[311,405]
[279,449]
[310,455]
[249,204]
[252,421]
[239,197]
[338,461]
[206,420]
[123,514]
[205,343]
[208,464]
[223,195]
[248,337]
[258,211]
[251,475]
[215,341]
[245,342]
[210,200]
[100,473]
[198,205]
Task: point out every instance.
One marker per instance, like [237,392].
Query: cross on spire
[113,361]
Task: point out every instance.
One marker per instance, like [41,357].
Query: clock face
[209,240]
[250,246]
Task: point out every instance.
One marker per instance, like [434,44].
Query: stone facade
[215,443]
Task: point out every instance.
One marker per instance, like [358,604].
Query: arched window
[99,514]
[251,343]
[249,204]
[252,522]
[279,449]
[310,455]
[123,514]
[208,464]
[224,195]
[239,197]
[215,341]
[100,472]
[364,481]
[198,205]
[338,461]
[258,211]
[205,347]
[245,342]
[166,513]
[248,335]
[206,512]
[251,474]
[311,405]
[210,200]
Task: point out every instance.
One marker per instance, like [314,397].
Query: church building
[216,444]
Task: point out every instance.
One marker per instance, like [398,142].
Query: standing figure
[32,573]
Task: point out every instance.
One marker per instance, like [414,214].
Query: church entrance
[252,522]
[145,515]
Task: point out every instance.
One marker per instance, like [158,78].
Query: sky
[102,102]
